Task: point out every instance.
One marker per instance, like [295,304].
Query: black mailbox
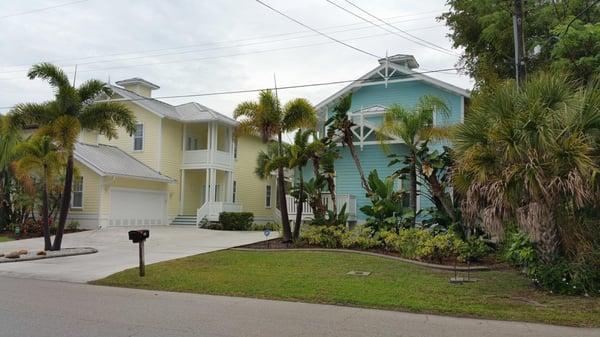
[139,235]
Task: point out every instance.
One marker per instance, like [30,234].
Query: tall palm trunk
[285,218]
[350,142]
[65,203]
[45,217]
[331,187]
[299,207]
[319,209]
[413,186]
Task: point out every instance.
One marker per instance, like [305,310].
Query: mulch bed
[490,262]
[34,255]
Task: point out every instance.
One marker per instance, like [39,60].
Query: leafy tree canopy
[558,35]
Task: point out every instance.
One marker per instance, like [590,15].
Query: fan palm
[529,154]
[72,110]
[413,126]
[39,156]
[267,119]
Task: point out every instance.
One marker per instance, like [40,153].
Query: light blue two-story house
[394,80]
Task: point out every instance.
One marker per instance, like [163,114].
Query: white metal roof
[109,160]
[188,112]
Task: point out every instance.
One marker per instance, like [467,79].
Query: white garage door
[137,207]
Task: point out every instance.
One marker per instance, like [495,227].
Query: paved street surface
[49,309]
[116,252]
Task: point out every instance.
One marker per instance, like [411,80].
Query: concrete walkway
[50,309]
[116,252]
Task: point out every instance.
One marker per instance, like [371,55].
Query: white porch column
[184,137]
[213,184]
[181,191]
[207,185]
[229,193]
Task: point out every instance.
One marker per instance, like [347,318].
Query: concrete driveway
[116,252]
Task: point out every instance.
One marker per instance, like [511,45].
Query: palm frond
[106,117]
[51,73]
[90,89]
[299,113]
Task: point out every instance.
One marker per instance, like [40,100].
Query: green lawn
[320,277]
[5,238]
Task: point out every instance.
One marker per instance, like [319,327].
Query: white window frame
[234,192]
[136,137]
[268,196]
[76,181]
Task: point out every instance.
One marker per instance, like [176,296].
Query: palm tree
[530,155]
[267,119]
[41,157]
[299,156]
[72,110]
[413,127]
[340,126]
[9,138]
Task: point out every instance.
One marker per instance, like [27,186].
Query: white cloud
[91,30]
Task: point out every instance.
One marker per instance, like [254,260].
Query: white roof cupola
[138,85]
[403,60]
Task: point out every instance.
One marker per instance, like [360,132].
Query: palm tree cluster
[531,155]
[59,123]
[267,119]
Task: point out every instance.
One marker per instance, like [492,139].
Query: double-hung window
[268,196]
[138,137]
[77,193]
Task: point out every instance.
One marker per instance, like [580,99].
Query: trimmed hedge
[236,221]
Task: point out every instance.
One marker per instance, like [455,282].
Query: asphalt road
[36,308]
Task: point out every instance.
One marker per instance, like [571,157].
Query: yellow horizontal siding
[91,190]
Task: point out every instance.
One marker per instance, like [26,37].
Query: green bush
[272,226]
[407,241]
[519,250]
[323,236]
[73,226]
[439,247]
[474,249]
[360,238]
[236,221]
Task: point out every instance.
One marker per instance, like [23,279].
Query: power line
[317,31]
[42,9]
[214,57]
[398,29]
[229,41]
[297,86]
[387,30]
[197,51]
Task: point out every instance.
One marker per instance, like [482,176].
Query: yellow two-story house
[182,164]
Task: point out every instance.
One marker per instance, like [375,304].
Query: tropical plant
[299,154]
[267,119]
[72,110]
[413,126]
[340,127]
[385,211]
[40,157]
[531,155]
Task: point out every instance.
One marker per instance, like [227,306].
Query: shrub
[73,226]
[360,238]
[439,247]
[519,250]
[474,249]
[273,226]
[406,241]
[324,236]
[236,221]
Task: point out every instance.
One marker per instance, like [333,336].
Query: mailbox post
[139,236]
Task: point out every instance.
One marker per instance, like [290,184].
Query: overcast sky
[192,46]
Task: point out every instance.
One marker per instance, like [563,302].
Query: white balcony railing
[200,157]
[211,210]
[307,212]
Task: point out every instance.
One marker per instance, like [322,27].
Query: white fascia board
[347,88]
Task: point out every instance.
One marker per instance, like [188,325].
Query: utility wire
[213,57]
[396,28]
[389,31]
[319,84]
[42,9]
[317,31]
[199,50]
[134,52]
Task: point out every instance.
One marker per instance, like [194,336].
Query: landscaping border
[32,256]
[391,257]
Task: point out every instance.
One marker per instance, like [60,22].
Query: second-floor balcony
[208,144]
